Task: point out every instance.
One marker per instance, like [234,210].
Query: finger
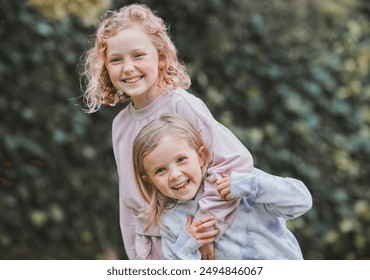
[203,220]
[211,256]
[188,223]
[190,220]
[207,240]
[205,226]
[221,186]
[206,235]
[224,184]
[208,256]
[222,179]
[225,192]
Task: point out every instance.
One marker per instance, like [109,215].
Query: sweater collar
[154,106]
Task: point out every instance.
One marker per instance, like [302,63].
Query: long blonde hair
[99,88]
[147,139]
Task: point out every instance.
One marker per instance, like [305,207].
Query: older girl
[133,60]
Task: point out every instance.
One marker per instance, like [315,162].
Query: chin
[189,197]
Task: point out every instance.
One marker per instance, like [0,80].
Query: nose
[128,66]
[175,174]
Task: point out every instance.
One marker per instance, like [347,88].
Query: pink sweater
[228,153]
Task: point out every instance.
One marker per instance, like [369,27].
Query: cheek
[112,73]
[197,173]
[164,189]
[159,182]
[151,70]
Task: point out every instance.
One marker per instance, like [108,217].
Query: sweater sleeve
[137,244]
[283,197]
[184,247]
[228,154]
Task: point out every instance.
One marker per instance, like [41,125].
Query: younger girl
[133,60]
[170,163]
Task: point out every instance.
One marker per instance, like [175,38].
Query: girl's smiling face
[132,63]
[175,168]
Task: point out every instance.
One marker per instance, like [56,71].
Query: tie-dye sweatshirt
[259,229]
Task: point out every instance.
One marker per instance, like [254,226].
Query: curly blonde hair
[99,89]
[145,142]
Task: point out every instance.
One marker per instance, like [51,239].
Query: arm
[284,197]
[127,225]
[137,244]
[228,153]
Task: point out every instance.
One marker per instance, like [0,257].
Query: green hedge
[291,81]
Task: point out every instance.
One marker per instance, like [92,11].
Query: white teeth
[132,80]
[180,186]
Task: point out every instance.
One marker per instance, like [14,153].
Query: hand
[202,230]
[223,186]
[208,251]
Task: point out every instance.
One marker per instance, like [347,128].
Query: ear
[146,178]
[202,153]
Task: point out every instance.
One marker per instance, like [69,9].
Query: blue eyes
[114,60]
[118,59]
[181,159]
[159,170]
[163,169]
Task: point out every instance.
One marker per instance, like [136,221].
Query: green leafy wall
[289,78]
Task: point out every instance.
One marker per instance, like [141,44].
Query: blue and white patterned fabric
[259,229]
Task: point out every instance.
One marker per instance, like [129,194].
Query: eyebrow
[139,49]
[153,170]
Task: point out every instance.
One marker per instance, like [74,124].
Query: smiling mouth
[181,186]
[132,80]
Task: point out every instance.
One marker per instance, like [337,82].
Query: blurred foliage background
[289,77]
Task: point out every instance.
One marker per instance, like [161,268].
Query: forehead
[130,37]
[169,146]
[172,143]
[173,140]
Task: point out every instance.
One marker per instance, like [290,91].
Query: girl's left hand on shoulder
[223,186]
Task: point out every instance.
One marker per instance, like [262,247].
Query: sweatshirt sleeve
[283,197]
[184,247]
[227,154]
